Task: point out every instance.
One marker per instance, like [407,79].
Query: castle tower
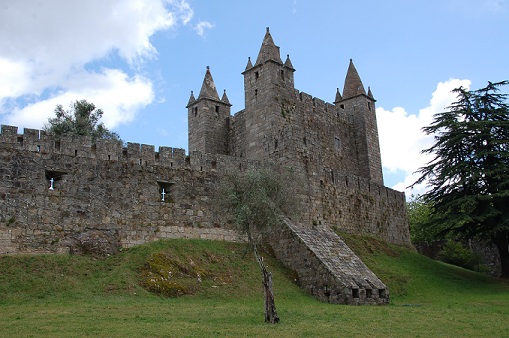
[208,118]
[361,107]
[265,85]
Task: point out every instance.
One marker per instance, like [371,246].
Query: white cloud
[47,47]
[201,26]
[401,136]
[113,91]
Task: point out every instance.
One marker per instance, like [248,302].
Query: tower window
[217,109]
[283,74]
[342,106]
[369,106]
[337,143]
[195,111]
[257,75]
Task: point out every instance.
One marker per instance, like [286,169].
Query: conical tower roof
[353,83]
[224,99]
[191,99]
[249,64]
[288,63]
[208,88]
[268,51]
[338,96]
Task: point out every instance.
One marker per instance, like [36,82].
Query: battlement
[40,142]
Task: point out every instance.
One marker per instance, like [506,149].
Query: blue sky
[139,60]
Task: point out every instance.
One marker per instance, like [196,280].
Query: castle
[74,195]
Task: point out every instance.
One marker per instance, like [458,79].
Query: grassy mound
[63,296]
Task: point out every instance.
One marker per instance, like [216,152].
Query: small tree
[81,120]
[469,174]
[257,199]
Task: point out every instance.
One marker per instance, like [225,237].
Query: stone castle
[72,195]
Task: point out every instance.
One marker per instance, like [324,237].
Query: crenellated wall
[118,190]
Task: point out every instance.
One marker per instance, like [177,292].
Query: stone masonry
[105,196]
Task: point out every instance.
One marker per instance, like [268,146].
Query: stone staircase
[325,266]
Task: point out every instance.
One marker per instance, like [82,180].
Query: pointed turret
[208,88]
[338,96]
[288,63]
[224,99]
[370,94]
[268,51]
[249,64]
[353,84]
[191,100]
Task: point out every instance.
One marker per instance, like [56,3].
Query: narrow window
[195,109]
[57,145]
[369,106]
[355,293]
[38,148]
[75,153]
[257,75]
[217,109]
[283,74]
[165,191]
[109,157]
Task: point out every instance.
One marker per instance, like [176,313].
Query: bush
[455,253]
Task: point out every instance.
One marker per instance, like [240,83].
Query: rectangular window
[337,143]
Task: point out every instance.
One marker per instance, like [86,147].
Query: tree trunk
[270,305]
[501,241]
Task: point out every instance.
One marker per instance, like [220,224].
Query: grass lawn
[71,296]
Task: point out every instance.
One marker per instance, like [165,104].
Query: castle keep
[72,195]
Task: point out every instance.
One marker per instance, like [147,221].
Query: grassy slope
[77,296]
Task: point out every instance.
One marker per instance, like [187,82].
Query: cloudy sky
[138,60]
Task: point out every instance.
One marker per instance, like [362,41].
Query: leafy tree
[257,199]
[469,174]
[81,120]
[419,217]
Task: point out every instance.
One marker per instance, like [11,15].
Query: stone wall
[117,189]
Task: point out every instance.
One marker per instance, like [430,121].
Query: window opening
[355,293]
[283,75]
[217,109]
[38,148]
[165,191]
[337,143]
[57,145]
[52,177]
[369,293]
[381,293]
[20,140]
[257,75]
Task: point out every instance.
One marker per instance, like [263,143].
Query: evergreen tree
[469,174]
[81,120]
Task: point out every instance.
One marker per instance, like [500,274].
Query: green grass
[70,296]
